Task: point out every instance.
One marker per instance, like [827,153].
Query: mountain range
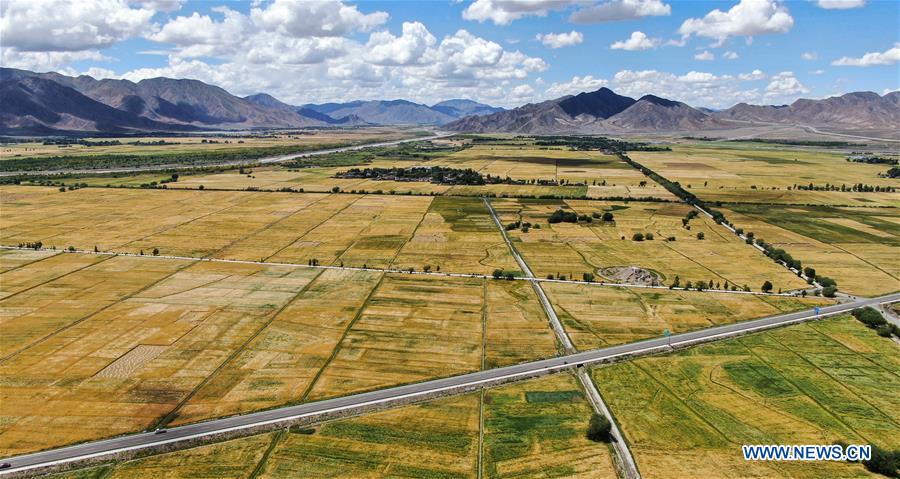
[605,111]
[51,103]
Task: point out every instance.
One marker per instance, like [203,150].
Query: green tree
[588,277]
[497,274]
[766,287]
[638,237]
[700,235]
[599,428]
[607,216]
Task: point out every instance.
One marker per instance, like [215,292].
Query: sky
[506,53]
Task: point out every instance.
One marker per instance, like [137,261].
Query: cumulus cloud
[637,41]
[323,18]
[840,4]
[574,86]
[809,56]
[888,57]
[46,61]
[66,26]
[407,49]
[705,56]
[730,55]
[754,75]
[504,12]
[559,40]
[614,10]
[783,85]
[748,18]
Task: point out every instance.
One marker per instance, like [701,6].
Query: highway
[319,409]
[263,161]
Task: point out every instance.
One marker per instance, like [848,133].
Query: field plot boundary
[404,271]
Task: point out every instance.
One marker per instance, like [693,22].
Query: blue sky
[501,52]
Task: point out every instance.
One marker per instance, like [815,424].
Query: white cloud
[694,88]
[64,25]
[574,86]
[386,49]
[46,61]
[817,72]
[783,85]
[504,12]
[841,4]
[559,40]
[614,10]
[323,18]
[888,57]
[754,75]
[730,55]
[809,56]
[637,41]
[705,56]
[160,5]
[746,19]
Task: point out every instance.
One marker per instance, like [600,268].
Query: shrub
[638,237]
[588,277]
[869,316]
[599,428]
[700,235]
[829,291]
[649,236]
[883,462]
[607,216]
[497,274]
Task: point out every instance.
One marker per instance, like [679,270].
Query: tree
[607,216]
[809,272]
[767,287]
[599,428]
[498,273]
[883,462]
[96,250]
[510,276]
[200,187]
[700,235]
[829,291]
[426,268]
[638,237]
[675,283]
[649,236]
[588,277]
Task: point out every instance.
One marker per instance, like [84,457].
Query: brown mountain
[652,113]
[34,105]
[853,110]
[173,102]
[594,112]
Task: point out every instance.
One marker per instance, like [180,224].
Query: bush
[607,216]
[638,237]
[883,462]
[588,277]
[809,272]
[829,291]
[700,235]
[599,428]
[560,216]
[884,330]
[869,316]
[649,236]
[497,274]
[826,282]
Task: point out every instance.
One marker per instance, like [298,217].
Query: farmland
[687,414]
[535,427]
[571,249]
[112,344]
[162,145]
[454,234]
[855,246]
[755,173]
[598,317]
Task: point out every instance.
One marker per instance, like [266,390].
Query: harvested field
[456,234]
[596,317]
[131,361]
[11,259]
[453,234]
[517,326]
[572,249]
[760,173]
[855,246]
[687,414]
[63,333]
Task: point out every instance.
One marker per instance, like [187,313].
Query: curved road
[264,160]
[313,410]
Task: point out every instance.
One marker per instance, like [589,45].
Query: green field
[687,414]
[855,246]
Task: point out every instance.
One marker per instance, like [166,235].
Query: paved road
[264,161]
[491,376]
[623,453]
